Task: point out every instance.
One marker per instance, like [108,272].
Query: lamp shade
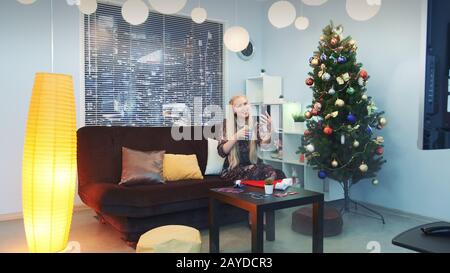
[49,163]
[282,14]
[236,38]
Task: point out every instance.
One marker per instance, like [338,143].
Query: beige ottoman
[170,239]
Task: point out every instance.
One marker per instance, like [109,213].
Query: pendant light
[314,2]
[362,10]
[168,6]
[301,23]
[135,12]
[199,14]
[87,7]
[282,14]
[49,161]
[26,2]
[236,38]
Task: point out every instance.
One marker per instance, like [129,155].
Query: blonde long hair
[231,128]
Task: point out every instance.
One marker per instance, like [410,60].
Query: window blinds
[149,75]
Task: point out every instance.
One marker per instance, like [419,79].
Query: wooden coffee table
[257,204]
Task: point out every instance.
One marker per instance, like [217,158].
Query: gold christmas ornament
[346,77]
[308,115]
[340,103]
[383,121]
[379,140]
[334,164]
[315,62]
[364,168]
[332,115]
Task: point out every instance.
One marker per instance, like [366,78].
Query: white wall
[391,49]
[25,49]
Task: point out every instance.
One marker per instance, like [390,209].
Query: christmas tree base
[345,209]
[348,201]
[302,221]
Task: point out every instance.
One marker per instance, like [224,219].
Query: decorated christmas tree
[342,140]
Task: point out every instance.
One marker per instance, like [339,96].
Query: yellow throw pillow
[181,167]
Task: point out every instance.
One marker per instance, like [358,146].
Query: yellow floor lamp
[49,162]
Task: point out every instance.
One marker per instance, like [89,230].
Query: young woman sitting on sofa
[241,137]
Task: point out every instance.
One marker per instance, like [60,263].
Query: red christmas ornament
[307,133]
[334,41]
[379,151]
[302,158]
[309,81]
[363,74]
[314,112]
[328,131]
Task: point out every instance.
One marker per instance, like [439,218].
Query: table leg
[318,227]
[214,246]
[270,225]
[257,231]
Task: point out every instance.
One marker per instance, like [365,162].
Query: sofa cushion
[100,195]
[181,167]
[141,166]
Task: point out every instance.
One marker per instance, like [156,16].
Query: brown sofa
[133,210]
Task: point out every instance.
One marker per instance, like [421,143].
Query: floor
[360,234]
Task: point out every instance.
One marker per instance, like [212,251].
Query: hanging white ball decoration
[360,10]
[356,143]
[26,2]
[88,6]
[310,148]
[236,38]
[314,2]
[364,168]
[302,23]
[364,97]
[168,6]
[375,182]
[282,14]
[135,12]
[199,15]
[332,91]
[374,2]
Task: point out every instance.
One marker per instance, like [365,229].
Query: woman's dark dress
[246,170]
